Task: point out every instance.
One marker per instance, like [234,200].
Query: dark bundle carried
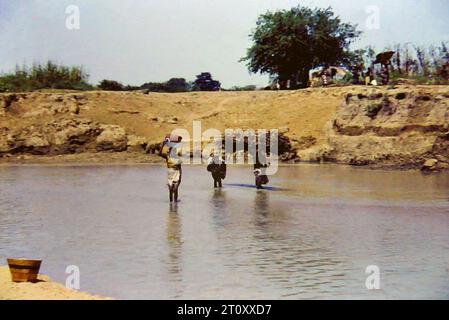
[217,169]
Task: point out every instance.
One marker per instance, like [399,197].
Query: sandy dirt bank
[45,289]
[401,127]
[88,158]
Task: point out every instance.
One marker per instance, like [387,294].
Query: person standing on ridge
[326,75]
[369,77]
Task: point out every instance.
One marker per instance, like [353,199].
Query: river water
[311,237]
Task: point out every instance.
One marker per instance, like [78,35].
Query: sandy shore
[133,159]
[45,289]
[86,158]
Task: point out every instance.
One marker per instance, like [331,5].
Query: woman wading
[171,152]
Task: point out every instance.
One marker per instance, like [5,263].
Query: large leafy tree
[288,43]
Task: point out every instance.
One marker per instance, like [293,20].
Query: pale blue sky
[136,41]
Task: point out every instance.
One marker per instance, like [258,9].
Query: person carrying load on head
[171,151]
[216,165]
[384,59]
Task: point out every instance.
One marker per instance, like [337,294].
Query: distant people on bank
[171,151]
[326,75]
[385,75]
[217,167]
[384,59]
[357,72]
[369,77]
[260,174]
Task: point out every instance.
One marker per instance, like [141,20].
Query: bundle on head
[173,138]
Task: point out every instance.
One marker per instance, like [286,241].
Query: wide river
[311,237]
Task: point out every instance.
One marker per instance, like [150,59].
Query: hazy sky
[136,41]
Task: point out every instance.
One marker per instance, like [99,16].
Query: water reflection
[291,258]
[261,203]
[219,207]
[174,241]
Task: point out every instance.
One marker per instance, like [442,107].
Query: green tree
[288,43]
[177,85]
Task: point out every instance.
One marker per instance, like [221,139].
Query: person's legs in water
[177,186]
[171,193]
[174,180]
[217,183]
[176,193]
[217,179]
[259,182]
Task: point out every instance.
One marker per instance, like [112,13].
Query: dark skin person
[218,169]
[217,181]
[173,193]
[173,189]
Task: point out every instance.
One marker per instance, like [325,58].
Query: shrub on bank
[45,76]
[111,85]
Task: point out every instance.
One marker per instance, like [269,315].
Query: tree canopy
[204,82]
[288,43]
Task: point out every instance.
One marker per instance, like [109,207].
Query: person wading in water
[171,151]
[217,166]
[260,174]
[260,168]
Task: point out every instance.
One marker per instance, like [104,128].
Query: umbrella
[384,57]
